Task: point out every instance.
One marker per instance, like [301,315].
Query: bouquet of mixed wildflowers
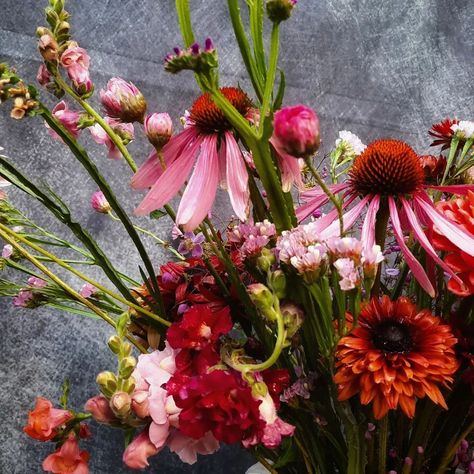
[328,327]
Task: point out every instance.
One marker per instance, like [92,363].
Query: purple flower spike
[195,48]
[177,51]
[209,45]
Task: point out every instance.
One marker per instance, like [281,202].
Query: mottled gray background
[377,68]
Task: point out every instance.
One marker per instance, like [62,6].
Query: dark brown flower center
[207,115]
[392,336]
[386,167]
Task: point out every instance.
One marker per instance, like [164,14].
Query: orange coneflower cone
[395,355]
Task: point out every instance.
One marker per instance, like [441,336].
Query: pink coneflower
[209,142]
[389,173]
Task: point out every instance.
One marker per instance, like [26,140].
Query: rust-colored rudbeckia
[395,355]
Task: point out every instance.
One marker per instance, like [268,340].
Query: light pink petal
[368,228]
[453,188]
[187,448]
[456,234]
[201,190]
[159,434]
[169,182]
[236,177]
[290,168]
[424,242]
[148,173]
[317,191]
[139,450]
[348,219]
[324,221]
[415,266]
[307,209]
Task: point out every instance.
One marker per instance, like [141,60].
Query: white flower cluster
[464,129]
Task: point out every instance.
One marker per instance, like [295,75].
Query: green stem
[452,153]
[270,82]
[64,285]
[256,32]
[382,444]
[98,118]
[453,447]
[61,263]
[328,193]
[381,224]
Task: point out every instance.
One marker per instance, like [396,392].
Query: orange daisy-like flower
[395,355]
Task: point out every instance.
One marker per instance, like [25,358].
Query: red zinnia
[442,132]
[395,355]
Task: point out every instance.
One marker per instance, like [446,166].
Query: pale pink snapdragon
[122,100]
[158,129]
[43,76]
[296,131]
[99,408]
[76,62]
[68,118]
[100,136]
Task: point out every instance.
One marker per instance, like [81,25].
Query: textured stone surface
[379,69]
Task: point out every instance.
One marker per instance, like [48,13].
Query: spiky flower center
[392,336]
[207,115]
[386,167]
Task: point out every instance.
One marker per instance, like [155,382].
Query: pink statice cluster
[251,238]
[26,297]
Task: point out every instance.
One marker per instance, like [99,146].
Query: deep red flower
[191,362]
[395,355]
[277,380]
[433,167]
[461,211]
[442,132]
[220,402]
[199,327]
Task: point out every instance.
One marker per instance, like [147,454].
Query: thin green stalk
[118,142]
[64,285]
[256,31]
[327,191]
[453,447]
[382,444]
[381,224]
[452,153]
[74,271]
[271,73]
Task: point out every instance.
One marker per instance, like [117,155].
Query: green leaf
[281,92]
[288,453]
[63,400]
[158,214]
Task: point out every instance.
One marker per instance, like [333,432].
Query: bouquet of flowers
[328,327]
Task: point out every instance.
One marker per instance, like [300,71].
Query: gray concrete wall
[377,68]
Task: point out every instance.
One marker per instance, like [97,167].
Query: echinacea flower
[394,356]
[45,420]
[123,101]
[209,142]
[68,458]
[388,174]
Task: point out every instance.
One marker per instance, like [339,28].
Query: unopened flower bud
[122,100]
[259,389]
[263,299]
[265,260]
[114,343]
[48,47]
[126,349]
[140,404]
[277,282]
[296,131]
[99,203]
[158,129]
[193,58]
[99,408]
[280,10]
[126,367]
[293,317]
[121,403]
[129,385]
[107,382]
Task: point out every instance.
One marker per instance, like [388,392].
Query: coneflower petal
[201,190]
[461,189]
[424,242]
[236,177]
[453,232]
[169,182]
[415,266]
[368,227]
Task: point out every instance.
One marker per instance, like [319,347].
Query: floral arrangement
[327,328]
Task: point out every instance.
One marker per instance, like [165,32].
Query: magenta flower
[123,101]
[23,298]
[7,251]
[36,282]
[100,136]
[69,119]
[296,131]
[389,172]
[192,244]
[209,142]
[99,203]
[88,290]
[76,62]
[158,129]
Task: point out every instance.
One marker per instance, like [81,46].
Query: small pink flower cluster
[252,238]
[26,298]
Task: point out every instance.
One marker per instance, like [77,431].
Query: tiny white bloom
[351,142]
[464,129]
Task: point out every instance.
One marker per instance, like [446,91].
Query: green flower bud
[107,382]
[280,10]
[127,366]
[266,260]
[114,344]
[262,297]
[277,282]
[259,389]
[293,317]
[129,385]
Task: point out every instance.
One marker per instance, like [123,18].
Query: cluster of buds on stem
[12,87]
[57,18]
[194,58]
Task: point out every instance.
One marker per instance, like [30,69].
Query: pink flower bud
[158,129]
[296,131]
[7,251]
[140,404]
[139,450]
[122,100]
[99,203]
[76,62]
[43,76]
[48,47]
[99,408]
[36,282]
[120,403]
[88,290]
[69,119]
